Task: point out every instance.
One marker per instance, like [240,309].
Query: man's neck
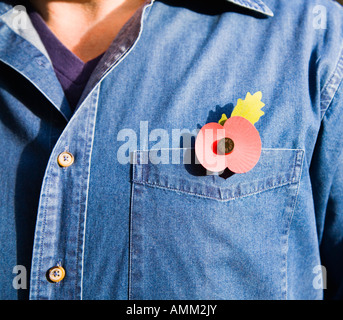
[86,27]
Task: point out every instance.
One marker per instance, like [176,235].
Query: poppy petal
[247,144]
[205,149]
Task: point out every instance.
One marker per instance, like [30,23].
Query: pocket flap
[276,168]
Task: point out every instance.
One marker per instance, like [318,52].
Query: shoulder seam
[329,90]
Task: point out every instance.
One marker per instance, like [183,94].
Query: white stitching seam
[86,204]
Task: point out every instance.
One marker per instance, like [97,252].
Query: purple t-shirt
[71,71]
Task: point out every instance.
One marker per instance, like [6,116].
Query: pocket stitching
[152,185]
[293,179]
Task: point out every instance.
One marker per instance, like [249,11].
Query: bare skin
[86,27]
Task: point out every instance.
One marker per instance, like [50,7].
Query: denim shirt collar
[255,5]
[29,36]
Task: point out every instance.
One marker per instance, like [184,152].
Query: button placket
[60,228]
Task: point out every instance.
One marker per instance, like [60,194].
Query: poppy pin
[234,142]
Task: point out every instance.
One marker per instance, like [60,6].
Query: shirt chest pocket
[197,236]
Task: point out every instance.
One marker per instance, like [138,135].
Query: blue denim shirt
[130,219]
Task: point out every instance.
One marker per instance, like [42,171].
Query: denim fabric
[135,217]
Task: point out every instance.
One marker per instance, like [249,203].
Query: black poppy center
[225,146]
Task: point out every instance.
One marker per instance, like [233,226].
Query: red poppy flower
[235,145]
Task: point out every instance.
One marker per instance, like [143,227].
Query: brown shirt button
[56,274]
[65,159]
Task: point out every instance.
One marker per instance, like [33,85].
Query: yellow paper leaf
[250,107]
[222,119]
